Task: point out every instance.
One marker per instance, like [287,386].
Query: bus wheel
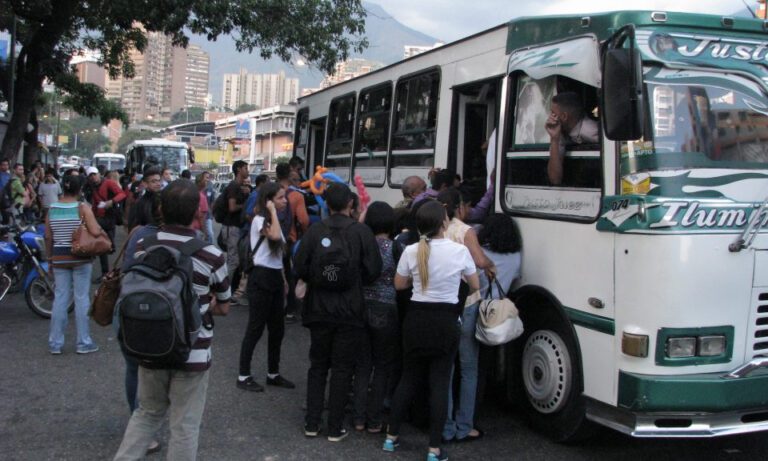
[549,377]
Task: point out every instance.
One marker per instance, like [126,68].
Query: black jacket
[339,306]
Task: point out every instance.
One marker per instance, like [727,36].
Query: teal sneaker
[390,445]
[443,456]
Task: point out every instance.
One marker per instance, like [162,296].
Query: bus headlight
[710,346]
[681,347]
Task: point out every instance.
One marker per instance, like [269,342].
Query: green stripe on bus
[591,321]
[690,393]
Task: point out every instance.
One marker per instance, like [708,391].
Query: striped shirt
[64,218]
[209,279]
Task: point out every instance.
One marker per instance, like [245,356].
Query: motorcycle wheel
[40,298]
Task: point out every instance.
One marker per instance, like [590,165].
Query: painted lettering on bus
[725,50]
[692,214]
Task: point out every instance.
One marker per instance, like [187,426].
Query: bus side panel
[597,353]
[680,281]
[575,263]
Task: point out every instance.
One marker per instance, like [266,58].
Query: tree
[51,32]
[243,108]
[188,114]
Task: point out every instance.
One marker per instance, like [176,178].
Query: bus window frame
[353,95]
[429,70]
[297,132]
[508,136]
[388,135]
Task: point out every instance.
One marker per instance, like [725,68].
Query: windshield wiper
[750,232]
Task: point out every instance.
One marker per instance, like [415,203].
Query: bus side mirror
[622,95]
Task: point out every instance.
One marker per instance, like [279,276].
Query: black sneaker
[338,436]
[279,381]
[290,318]
[250,384]
[311,430]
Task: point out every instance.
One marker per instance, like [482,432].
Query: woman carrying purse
[72,274]
[431,331]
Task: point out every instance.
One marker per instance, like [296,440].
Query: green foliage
[242,108]
[51,32]
[132,135]
[213,167]
[190,114]
[281,159]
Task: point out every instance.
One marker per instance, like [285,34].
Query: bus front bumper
[698,405]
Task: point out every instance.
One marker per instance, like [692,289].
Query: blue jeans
[209,237]
[461,424]
[71,282]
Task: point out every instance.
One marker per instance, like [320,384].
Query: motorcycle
[23,266]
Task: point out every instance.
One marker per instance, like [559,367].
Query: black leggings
[265,308]
[438,370]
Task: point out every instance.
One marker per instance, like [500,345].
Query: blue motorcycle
[23,266]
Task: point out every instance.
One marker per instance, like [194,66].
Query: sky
[450,20]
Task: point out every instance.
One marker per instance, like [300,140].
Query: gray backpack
[158,308]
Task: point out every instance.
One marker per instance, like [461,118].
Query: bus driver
[567,125]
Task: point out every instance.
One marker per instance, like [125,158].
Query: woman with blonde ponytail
[434,266]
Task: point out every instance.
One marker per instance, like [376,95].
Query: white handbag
[498,320]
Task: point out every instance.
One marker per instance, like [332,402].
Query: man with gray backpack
[166,306]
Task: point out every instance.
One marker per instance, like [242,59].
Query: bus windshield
[723,118]
[166,156]
[110,163]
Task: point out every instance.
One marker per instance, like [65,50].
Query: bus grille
[760,326]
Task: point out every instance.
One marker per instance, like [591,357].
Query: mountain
[386,37]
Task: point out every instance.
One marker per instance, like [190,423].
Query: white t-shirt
[264,256]
[448,262]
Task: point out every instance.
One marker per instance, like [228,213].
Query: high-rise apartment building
[260,90]
[167,79]
[349,69]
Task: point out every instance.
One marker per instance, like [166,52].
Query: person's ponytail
[422,258]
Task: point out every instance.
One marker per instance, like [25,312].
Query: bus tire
[544,378]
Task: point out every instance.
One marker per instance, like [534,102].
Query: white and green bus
[644,287]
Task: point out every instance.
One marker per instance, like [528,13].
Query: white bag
[498,320]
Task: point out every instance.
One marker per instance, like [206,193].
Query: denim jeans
[71,282]
[184,393]
[209,237]
[461,424]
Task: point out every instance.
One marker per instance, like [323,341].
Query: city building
[258,136]
[413,50]
[88,69]
[196,78]
[349,69]
[260,90]
[167,79]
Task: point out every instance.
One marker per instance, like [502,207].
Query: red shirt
[102,194]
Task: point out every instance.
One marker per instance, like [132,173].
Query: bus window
[528,153]
[374,109]
[341,124]
[527,186]
[415,122]
[302,134]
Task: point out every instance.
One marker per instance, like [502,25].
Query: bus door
[475,118]
[316,143]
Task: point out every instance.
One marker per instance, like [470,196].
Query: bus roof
[421,56]
[531,30]
[108,154]
[157,142]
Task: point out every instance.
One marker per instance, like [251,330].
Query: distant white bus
[161,152]
[110,161]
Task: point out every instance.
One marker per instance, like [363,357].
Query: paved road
[73,407]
